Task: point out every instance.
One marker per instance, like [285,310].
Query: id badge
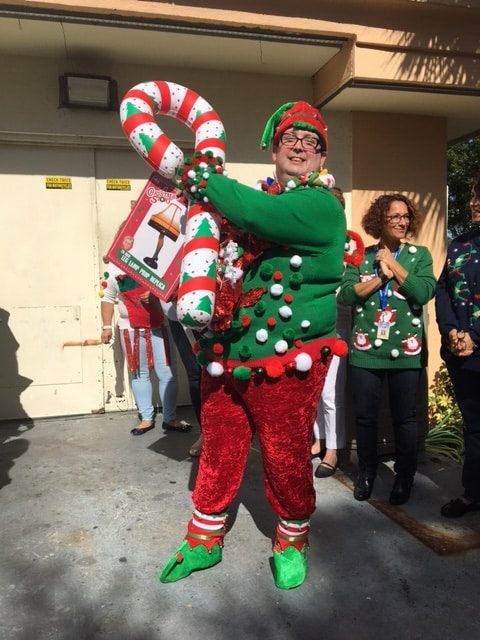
[383,330]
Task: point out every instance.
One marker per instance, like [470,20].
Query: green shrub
[445,422]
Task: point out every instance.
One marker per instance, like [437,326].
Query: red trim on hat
[302,113]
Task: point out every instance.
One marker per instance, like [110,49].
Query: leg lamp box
[148,247]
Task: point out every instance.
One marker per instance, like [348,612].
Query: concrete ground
[90,514]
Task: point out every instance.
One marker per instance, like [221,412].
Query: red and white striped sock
[292,533]
[206,529]
[209,522]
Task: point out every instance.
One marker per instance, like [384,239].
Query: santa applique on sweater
[386,315]
[411,345]
[362,341]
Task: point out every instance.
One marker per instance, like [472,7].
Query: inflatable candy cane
[196,296]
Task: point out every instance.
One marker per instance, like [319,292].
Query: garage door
[59,215]
[49,266]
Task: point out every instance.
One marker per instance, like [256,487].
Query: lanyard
[383,292]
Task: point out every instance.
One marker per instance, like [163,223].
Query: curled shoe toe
[186,560]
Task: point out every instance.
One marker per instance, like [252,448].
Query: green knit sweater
[404,347]
[299,274]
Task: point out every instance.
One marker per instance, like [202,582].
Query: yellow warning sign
[55,182]
[117,184]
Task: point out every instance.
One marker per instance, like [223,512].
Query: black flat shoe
[325,470]
[183,427]
[458,507]
[401,490]
[139,432]
[363,487]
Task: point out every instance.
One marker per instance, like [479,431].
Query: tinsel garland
[133,359]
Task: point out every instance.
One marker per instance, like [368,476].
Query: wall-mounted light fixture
[90,92]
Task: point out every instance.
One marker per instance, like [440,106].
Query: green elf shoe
[200,549]
[290,567]
[186,560]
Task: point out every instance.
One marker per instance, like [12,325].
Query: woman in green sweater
[387,293]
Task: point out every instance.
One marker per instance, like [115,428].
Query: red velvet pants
[281,412]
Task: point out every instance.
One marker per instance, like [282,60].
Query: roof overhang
[460,108]
[169,44]
[347,75]
[392,80]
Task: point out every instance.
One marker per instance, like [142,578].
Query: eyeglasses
[309,143]
[396,219]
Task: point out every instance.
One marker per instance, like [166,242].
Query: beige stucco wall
[29,111]
[244,101]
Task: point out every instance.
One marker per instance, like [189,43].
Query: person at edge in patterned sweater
[387,292]
[457,303]
[267,355]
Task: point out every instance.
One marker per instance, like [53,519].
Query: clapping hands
[385,260]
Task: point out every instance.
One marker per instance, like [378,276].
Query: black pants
[466,385]
[402,388]
[189,362]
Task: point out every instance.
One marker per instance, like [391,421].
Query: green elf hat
[299,115]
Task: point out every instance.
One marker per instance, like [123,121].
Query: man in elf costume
[272,338]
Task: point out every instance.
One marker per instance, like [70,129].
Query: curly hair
[338,193]
[373,221]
